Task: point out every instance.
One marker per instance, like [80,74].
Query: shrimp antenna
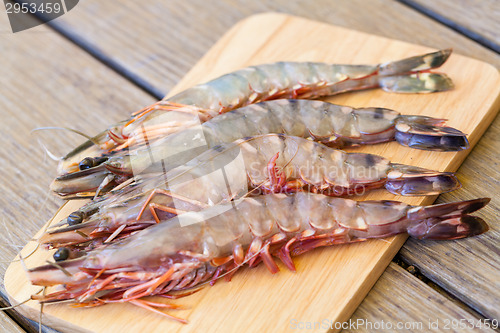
[21,259]
[23,263]
[48,152]
[234,146]
[108,179]
[125,183]
[62,269]
[215,155]
[47,225]
[21,303]
[25,301]
[91,139]
[41,313]
[294,154]
[16,305]
[281,169]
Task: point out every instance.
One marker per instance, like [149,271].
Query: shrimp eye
[86,163]
[75,218]
[61,254]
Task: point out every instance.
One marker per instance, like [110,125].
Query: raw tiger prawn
[272,163]
[254,84]
[194,248]
[330,124]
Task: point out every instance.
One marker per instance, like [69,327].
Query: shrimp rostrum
[305,80]
[273,163]
[330,124]
[195,248]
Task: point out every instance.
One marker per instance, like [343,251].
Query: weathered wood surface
[47,81]
[9,325]
[10,317]
[479,175]
[479,18]
[396,302]
[184,30]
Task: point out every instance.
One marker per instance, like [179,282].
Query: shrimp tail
[410,180]
[413,74]
[427,133]
[447,221]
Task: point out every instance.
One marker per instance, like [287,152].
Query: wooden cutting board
[331,282]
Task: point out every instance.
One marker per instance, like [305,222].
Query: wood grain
[47,81]
[161,41]
[9,325]
[398,292]
[479,17]
[335,293]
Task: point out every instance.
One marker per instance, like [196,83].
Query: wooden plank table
[7,324]
[38,90]
[163,41]
[476,19]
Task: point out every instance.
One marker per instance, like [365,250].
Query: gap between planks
[416,273]
[100,56]
[450,23]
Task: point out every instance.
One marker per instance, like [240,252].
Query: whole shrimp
[272,163]
[195,248]
[324,122]
[259,83]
